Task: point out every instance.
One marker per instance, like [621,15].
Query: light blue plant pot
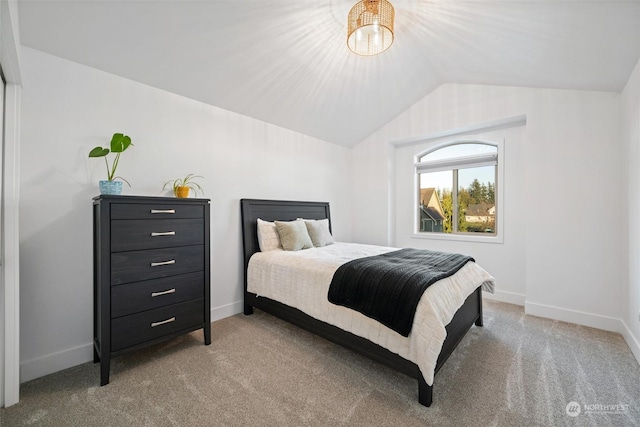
[111,187]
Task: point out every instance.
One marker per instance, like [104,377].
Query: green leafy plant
[187,182]
[119,143]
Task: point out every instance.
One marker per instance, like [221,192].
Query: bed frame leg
[248,309]
[425,392]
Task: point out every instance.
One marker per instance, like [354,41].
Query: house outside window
[457,189]
[431,213]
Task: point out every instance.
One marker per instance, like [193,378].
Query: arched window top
[458,155]
[458,149]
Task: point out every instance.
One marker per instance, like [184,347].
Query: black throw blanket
[388,287]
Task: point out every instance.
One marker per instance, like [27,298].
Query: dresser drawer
[134,266]
[133,234]
[148,325]
[155,211]
[149,294]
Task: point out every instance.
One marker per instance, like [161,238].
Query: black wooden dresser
[151,272]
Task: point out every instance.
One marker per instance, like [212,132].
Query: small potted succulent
[119,143]
[181,186]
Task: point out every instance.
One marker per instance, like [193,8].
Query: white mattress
[301,279]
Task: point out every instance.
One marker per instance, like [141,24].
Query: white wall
[631,136]
[563,179]
[69,109]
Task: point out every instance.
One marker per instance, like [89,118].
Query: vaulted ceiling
[286,61]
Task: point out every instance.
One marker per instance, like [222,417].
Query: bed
[406,355]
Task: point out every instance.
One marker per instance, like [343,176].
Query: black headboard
[272,210]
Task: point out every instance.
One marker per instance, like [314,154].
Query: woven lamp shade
[370,27]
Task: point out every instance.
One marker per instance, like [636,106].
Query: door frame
[10,266]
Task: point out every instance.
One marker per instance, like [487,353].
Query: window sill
[459,237]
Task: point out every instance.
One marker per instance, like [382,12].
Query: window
[457,189]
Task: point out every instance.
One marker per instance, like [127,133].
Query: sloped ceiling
[286,61]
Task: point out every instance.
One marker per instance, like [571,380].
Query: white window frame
[498,237]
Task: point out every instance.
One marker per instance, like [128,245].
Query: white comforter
[301,279]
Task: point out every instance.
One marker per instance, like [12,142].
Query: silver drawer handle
[156,264]
[164,233]
[163,211]
[157,294]
[154,324]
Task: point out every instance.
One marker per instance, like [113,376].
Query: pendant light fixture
[370,27]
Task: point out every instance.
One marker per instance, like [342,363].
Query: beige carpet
[515,371]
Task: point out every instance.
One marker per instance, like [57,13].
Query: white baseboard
[573,316]
[632,341]
[508,297]
[54,362]
[218,313]
[587,319]
[68,358]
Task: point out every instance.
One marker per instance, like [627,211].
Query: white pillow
[293,235]
[319,232]
[268,238]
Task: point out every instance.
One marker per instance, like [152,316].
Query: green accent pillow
[293,235]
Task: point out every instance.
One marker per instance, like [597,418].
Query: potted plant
[181,186]
[119,143]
